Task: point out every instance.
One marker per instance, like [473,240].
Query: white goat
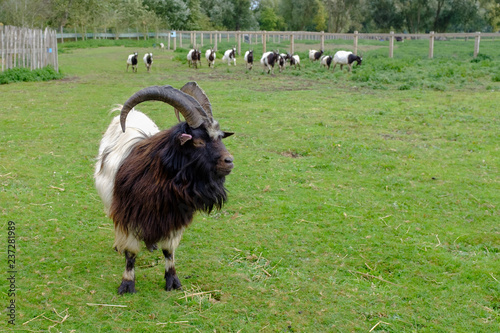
[132,61]
[345,58]
[210,55]
[268,60]
[193,57]
[148,60]
[315,55]
[230,55]
[326,61]
[295,61]
[248,59]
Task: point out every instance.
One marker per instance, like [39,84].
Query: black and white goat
[283,57]
[315,55]
[295,61]
[210,55]
[230,55]
[248,59]
[132,61]
[152,182]
[326,61]
[268,60]
[346,58]
[148,61]
[193,58]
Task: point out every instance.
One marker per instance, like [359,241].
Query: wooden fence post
[292,43]
[175,43]
[322,41]
[355,42]
[238,37]
[431,45]
[264,42]
[2,38]
[476,44]
[201,41]
[391,45]
[180,39]
[168,41]
[215,44]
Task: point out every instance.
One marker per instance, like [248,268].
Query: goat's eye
[199,143]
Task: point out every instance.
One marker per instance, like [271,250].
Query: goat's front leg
[171,279]
[168,247]
[128,279]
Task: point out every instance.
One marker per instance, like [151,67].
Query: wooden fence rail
[29,48]
[212,38]
[197,38]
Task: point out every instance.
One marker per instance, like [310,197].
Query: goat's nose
[228,159]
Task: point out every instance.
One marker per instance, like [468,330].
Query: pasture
[363,201]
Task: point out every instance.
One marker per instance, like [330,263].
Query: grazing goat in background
[230,55]
[193,57]
[210,55]
[248,59]
[326,61]
[315,55]
[148,60]
[268,60]
[345,58]
[152,182]
[132,61]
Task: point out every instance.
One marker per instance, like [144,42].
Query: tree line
[413,16]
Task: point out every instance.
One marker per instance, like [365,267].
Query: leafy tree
[268,19]
[492,13]
[417,14]
[24,13]
[385,15]
[175,13]
[320,18]
[340,13]
[298,14]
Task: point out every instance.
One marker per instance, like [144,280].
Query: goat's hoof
[172,282]
[127,286]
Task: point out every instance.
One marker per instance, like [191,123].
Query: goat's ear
[183,138]
[226,134]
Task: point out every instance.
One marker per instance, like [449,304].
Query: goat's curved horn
[185,104]
[193,89]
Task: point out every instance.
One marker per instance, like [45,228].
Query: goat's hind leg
[128,279]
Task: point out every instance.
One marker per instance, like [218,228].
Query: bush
[26,75]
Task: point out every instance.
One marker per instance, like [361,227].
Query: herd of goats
[152,182]
[268,59]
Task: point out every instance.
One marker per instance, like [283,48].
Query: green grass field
[363,201]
